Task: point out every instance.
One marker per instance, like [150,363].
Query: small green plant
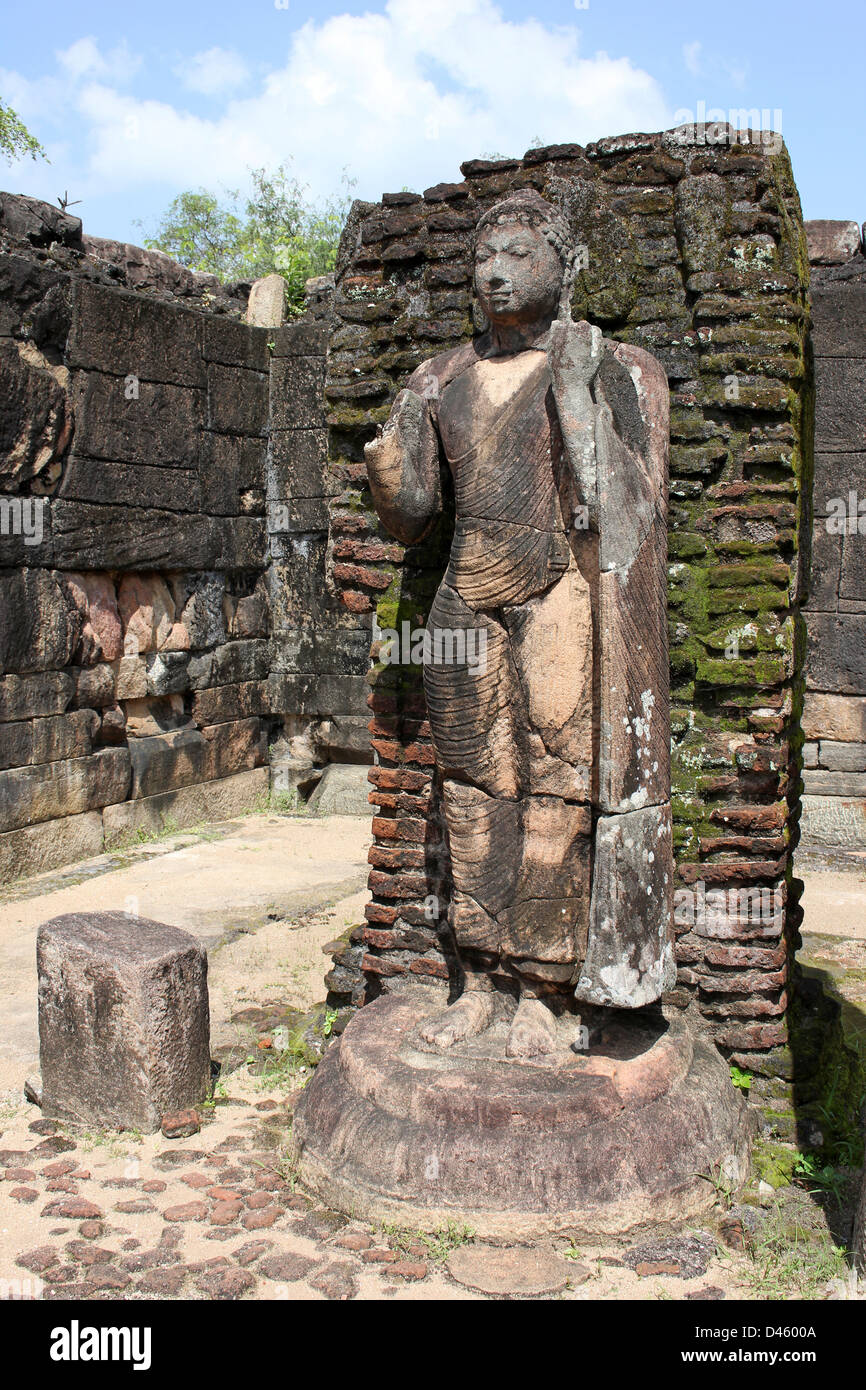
[328,1022]
[741,1079]
[438,1245]
[813,1173]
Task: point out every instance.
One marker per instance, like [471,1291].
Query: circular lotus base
[594,1143]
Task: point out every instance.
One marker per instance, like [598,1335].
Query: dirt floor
[219,1214]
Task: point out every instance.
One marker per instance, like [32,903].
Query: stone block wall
[834,715]
[147,620]
[694,250]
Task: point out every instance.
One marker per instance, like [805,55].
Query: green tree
[15,139]
[276,229]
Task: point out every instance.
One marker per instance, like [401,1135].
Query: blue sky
[136,103]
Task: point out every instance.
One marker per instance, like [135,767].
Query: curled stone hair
[529,208]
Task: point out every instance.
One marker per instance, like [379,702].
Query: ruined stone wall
[141,669]
[696,252]
[834,716]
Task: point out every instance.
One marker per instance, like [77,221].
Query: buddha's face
[518,274]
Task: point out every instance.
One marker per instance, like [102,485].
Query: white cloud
[214,71]
[398,98]
[692,57]
[84,59]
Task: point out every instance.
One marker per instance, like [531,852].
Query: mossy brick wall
[697,253]
[142,620]
[834,716]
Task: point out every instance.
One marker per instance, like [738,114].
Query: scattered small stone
[181,1124]
[766,1193]
[222,1233]
[58,1169]
[165,1282]
[103,1276]
[61,1185]
[173,1158]
[120,1184]
[230,1175]
[257,1200]
[195,1179]
[709,1294]
[225,1213]
[57,1144]
[135,1207]
[20,1175]
[43,1127]
[24,1194]
[251,1251]
[85,1253]
[73,1209]
[224,1194]
[225,1283]
[154,1185]
[80,1174]
[681,1257]
[33,1091]
[286,1268]
[269,1182]
[91,1229]
[38,1260]
[130,1244]
[59,1274]
[10,1158]
[353,1240]
[186,1211]
[409,1269]
[267,1105]
[380,1257]
[336,1281]
[261,1219]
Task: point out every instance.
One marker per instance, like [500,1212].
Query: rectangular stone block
[89,536]
[193,805]
[297,463]
[230,466]
[842,757]
[826,569]
[840,404]
[124,1026]
[160,425]
[839,320]
[835,476]
[235,344]
[836,652]
[32,794]
[852,580]
[165,761]
[833,821]
[131,484]
[123,333]
[237,400]
[36,849]
[26,697]
[817,783]
[839,717]
[297,393]
[299,340]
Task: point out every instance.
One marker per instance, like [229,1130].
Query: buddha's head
[524,254]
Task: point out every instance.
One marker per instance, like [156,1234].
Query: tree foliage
[276,228]
[15,139]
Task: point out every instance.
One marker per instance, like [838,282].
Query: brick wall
[696,252]
[834,716]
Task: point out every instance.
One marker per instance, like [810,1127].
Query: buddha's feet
[468,1015]
[533,1030]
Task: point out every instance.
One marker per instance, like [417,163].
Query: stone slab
[833,821]
[519,1271]
[342,791]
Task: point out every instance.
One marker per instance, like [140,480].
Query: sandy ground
[93,1215]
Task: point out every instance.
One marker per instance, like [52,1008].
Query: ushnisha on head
[524,260]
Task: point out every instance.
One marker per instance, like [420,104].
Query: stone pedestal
[595,1143]
[124,1028]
